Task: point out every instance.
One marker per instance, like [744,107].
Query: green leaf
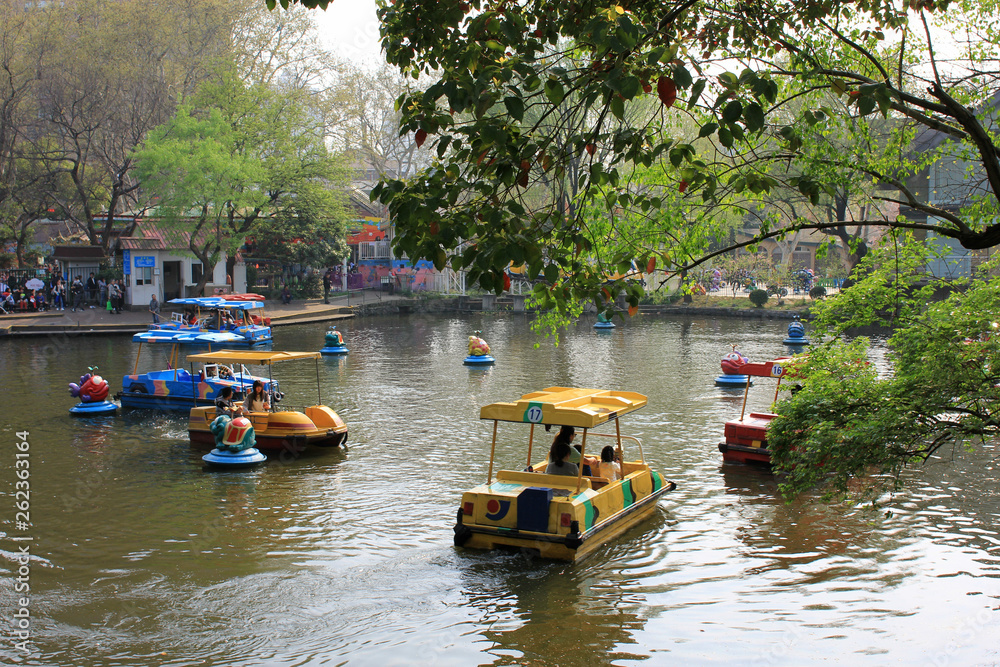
[618,107]
[725,137]
[554,92]
[753,116]
[732,112]
[696,93]
[866,105]
[515,107]
[682,77]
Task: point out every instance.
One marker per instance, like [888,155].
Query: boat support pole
[194,387]
[618,434]
[579,472]
[746,393]
[135,369]
[493,448]
[270,383]
[531,438]
[776,394]
[319,392]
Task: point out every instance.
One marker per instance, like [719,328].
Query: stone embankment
[93,321]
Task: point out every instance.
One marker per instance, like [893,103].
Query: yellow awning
[261,357]
[566,406]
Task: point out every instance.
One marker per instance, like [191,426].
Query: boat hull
[733,380]
[796,341]
[479,360]
[543,513]
[226,460]
[93,409]
[743,454]
[279,433]
[158,390]
[746,439]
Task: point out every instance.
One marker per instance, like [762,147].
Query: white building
[157,260]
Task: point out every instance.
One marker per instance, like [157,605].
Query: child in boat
[608,467]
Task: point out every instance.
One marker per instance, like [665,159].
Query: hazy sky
[350,28]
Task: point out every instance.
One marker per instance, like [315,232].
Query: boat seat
[598,482]
[629,467]
[541,479]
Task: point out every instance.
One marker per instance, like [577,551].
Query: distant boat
[176,388]
[796,333]
[732,374]
[334,343]
[213,321]
[479,352]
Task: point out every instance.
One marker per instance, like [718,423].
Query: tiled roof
[133,243]
[156,234]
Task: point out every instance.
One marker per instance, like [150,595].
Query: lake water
[139,557]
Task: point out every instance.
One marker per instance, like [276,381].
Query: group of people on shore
[55,294]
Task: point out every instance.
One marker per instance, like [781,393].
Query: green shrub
[817,292]
[758,297]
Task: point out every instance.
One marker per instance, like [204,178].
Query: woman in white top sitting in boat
[256,400]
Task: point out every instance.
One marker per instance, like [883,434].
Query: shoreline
[95,321]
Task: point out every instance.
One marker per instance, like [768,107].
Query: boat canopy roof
[217,302]
[767,369]
[566,406]
[191,337]
[250,357]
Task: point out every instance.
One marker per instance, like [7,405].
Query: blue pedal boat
[179,389]
[796,333]
[212,321]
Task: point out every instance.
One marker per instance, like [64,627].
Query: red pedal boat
[746,437]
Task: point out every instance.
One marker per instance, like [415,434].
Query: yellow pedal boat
[281,429]
[562,517]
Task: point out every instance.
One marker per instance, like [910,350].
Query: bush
[817,292]
[759,297]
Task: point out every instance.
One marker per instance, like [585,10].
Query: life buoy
[249,296]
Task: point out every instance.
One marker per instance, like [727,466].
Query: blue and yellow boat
[562,517]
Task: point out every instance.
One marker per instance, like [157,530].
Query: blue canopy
[189,337]
[217,302]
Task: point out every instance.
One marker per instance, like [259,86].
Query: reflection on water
[142,558]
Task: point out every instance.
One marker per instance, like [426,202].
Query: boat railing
[615,436]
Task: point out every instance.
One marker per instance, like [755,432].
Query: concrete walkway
[99,321]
